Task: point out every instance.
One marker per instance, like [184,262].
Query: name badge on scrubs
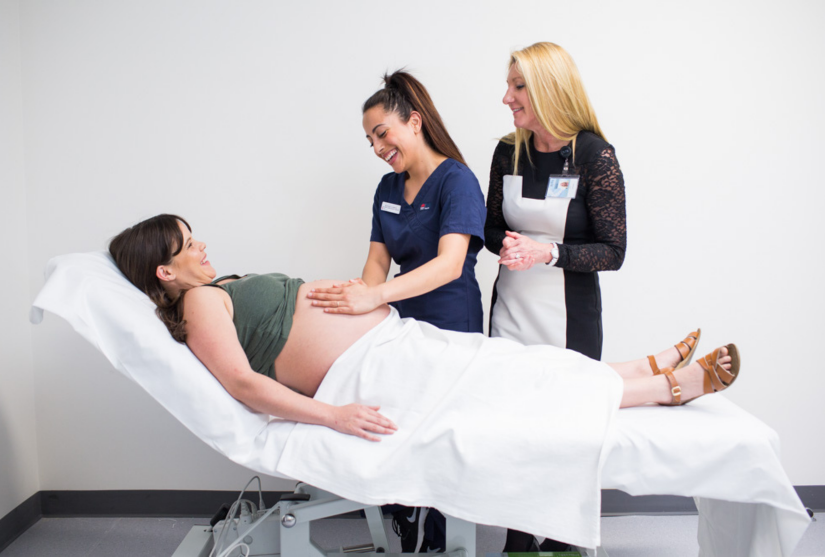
[562,186]
[391,207]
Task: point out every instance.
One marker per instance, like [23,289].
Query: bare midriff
[317,339]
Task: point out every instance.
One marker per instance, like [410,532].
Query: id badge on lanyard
[564,185]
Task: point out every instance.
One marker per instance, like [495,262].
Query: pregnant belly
[317,339]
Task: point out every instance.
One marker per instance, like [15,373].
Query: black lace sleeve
[606,206]
[495,225]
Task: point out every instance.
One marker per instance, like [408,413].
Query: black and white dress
[558,305]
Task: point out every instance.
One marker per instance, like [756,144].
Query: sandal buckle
[676,391]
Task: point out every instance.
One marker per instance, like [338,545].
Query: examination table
[711,450]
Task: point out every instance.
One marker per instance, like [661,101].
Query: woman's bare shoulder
[205,299]
[203,292]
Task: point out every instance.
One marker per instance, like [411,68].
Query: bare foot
[691,378]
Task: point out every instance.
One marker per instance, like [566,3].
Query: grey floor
[626,536]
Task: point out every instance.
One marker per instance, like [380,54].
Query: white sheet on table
[489,430]
[710,449]
[716,452]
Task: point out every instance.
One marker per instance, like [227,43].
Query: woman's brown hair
[139,250]
[403,94]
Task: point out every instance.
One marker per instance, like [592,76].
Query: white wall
[245,118]
[18,432]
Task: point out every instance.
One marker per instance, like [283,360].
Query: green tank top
[264,306]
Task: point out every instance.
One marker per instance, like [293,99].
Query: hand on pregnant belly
[361,421]
[353,297]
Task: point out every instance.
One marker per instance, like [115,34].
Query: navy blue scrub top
[450,201]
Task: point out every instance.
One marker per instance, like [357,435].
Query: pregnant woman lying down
[271,346]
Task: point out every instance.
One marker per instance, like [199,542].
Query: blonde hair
[557,96]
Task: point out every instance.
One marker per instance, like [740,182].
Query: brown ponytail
[139,250]
[403,94]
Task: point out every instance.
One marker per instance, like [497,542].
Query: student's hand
[353,297]
[520,252]
[361,421]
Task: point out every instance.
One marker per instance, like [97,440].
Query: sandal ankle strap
[654,366]
[675,389]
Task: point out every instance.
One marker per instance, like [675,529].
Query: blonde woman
[555,207]
[555,214]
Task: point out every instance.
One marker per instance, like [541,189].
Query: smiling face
[518,100]
[396,142]
[190,267]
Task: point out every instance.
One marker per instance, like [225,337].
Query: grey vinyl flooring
[625,536]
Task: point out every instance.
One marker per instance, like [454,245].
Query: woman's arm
[357,297]
[606,206]
[445,267]
[378,264]
[212,337]
[605,203]
[495,227]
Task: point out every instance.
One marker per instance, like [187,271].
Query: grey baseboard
[122,503]
[170,503]
[146,503]
[618,503]
[813,496]
[23,517]
[615,502]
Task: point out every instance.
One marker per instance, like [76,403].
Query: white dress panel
[530,305]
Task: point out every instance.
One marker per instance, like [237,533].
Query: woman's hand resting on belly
[317,339]
[353,297]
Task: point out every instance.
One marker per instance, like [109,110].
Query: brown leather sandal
[686,348]
[717,378]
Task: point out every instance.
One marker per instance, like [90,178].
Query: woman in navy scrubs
[428,216]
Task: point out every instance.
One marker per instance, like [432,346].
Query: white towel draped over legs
[489,430]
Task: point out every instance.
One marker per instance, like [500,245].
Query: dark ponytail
[139,250]
[403,94]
